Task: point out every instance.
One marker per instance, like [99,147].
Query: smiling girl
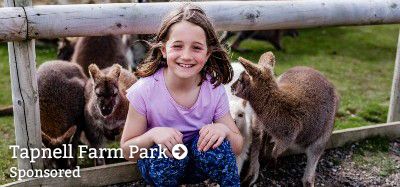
[180,99]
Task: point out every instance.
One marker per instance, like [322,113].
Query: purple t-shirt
[150,97]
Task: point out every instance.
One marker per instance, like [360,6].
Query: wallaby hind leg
[256,143]
[254,167]
[313,152]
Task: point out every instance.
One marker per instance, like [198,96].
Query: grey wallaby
[61,87]
[104,51]
[296,110]
[106,104]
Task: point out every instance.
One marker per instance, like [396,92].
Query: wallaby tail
[8,111]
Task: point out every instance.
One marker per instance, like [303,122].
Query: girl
[180,100]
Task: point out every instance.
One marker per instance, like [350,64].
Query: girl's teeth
[185,65]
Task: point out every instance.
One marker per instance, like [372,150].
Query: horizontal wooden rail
[52,21]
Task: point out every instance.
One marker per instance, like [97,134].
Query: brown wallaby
[61,87]
[66,48]
[102,50]
[106,104]
[297,109]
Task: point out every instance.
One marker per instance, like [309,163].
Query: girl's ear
[163,51]
[209,51]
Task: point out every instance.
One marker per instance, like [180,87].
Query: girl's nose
[186,54]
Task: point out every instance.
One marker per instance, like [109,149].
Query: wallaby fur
[61,100]
[66,48]
[106,104]
[297,109]
[104,51]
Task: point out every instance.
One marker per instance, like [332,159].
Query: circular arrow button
[179,151]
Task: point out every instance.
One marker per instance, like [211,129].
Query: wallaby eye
[240,115]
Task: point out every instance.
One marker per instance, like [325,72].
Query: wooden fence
[21,23]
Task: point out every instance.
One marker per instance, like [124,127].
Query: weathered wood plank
[25,95]
[144,18]
[394,106]
[94,176]
[13,24]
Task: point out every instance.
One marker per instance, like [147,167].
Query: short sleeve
[222,107]
[135,95]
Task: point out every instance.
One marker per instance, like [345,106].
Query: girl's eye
[177,46]
[197,48]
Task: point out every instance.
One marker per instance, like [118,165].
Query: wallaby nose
[105,110]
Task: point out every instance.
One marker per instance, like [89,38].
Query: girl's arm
[234,137]
[135,134]
[212,135]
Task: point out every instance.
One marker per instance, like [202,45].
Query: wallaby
[297,109]
[102,50]
[61,87]
[66,48]
[272,36]
[106,104]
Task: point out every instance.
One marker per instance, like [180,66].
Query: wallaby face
[241,88]
[106,91]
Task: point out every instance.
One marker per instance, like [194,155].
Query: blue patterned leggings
[217,164]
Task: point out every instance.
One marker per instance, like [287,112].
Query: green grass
[358,60]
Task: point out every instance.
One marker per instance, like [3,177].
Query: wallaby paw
[308,182]
[252,175]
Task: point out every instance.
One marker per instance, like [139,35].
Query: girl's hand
[212,135]
[167,137]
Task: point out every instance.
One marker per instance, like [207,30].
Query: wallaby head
[237,109]
[105,88]
[252,82]
[57,142]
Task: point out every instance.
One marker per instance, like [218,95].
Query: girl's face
[186,49]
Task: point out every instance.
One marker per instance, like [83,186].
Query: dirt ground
[337,167]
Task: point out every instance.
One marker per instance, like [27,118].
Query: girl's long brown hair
[217,66]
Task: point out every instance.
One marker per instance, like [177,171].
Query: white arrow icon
[179,151]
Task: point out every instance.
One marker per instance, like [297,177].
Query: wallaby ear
[47,140]
[250,67]
[115,70]
[267,60]
[65,138]
[94,72]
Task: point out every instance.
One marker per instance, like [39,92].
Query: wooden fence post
[394,106]
[25,94]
